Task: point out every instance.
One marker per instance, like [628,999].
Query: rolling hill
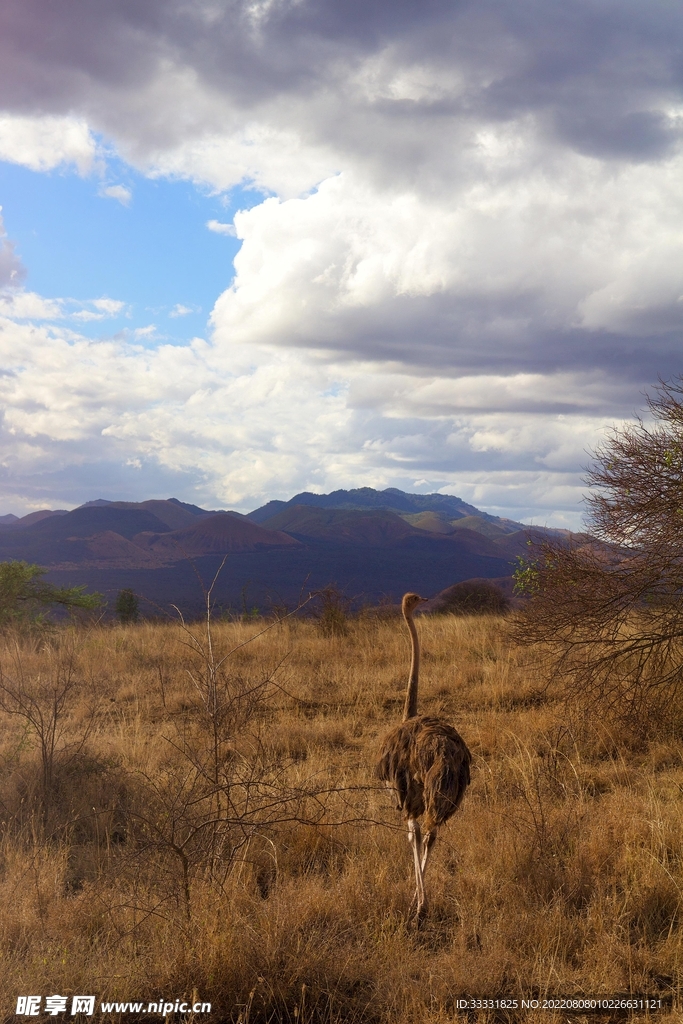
[219,534]
[372,544]
[359,498]
[342,526]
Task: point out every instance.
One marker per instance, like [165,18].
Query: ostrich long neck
[410,707]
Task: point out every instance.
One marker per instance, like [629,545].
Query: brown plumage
[426,763]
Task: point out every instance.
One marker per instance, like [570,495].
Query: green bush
[127,606]
[25,596]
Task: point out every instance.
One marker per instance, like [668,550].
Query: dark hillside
[33,517]
[341,525]
[219,534]
[499,528]
[433,522]
[519,543]
[359,498]
[465,541]
[267,511]
[61,538]
[84,522]
[277,576]
[195,508]
[172,515]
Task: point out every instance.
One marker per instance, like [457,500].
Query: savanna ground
[172,827]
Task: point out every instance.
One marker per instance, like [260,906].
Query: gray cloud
[635,135]
[600,74]
[451,335]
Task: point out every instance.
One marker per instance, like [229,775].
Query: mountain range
[371,544]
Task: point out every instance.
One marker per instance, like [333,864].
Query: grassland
[155,845]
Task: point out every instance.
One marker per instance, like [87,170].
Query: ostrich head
[410,603]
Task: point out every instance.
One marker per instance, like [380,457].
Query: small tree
[24,595]
[127,606]
[609,609]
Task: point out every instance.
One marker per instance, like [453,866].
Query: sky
[255,247]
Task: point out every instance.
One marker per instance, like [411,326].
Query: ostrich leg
[415,838]
[428,840]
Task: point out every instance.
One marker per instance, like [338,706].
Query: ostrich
[427,765]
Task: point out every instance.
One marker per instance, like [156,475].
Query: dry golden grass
[562,873]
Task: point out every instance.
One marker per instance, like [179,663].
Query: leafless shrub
[44,701]
[608,610]
[332,611]
[221,784]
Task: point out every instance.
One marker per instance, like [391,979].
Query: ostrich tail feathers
[444,787]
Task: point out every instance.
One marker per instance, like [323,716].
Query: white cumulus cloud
[219,228]
[19,304]
[42,143]
[234,427]
[29,305]
[120,193]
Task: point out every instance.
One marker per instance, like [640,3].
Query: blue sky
[154,252]
[457,259]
